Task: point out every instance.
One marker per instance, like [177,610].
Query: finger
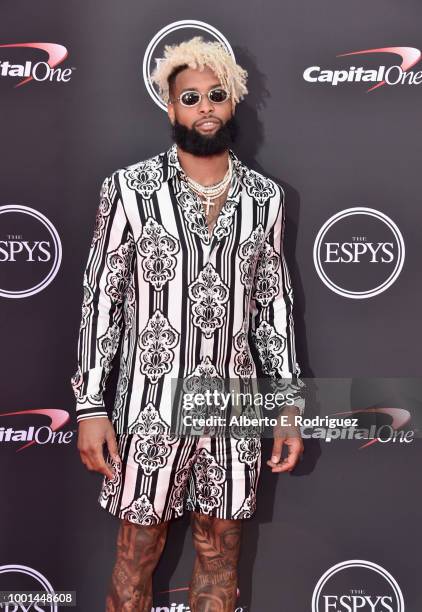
[104,468]
[99,463]
[112,445]
[277,450]
[288,463]
[277,429]
[281,467]
[86,460]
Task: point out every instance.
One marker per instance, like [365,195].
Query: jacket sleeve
[271,316]
[105,280]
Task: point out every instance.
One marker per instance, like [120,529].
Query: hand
[291,436]
[92,433]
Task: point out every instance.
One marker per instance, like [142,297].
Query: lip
[204,123]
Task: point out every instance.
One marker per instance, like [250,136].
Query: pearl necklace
[211,192]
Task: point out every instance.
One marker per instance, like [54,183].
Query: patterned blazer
[179,301]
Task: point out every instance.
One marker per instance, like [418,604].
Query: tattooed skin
[213,587]
[138,552]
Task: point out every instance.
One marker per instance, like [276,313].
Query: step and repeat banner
[333,114]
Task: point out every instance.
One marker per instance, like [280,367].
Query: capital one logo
[45,69]
[372,589]
[30,251]
[181,592]
[359,252]
[397,74]
[39,434]
[170,35]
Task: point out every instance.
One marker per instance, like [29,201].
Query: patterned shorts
[160,475]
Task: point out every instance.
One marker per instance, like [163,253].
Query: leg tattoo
[139,549]
[214,580]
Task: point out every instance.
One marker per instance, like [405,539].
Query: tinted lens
[189,98]
[218,95]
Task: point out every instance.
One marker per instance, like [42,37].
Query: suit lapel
[192,207]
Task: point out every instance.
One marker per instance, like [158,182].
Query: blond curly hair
[197,53]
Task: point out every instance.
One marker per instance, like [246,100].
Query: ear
[170,112]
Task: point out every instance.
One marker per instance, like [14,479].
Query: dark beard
[192,141]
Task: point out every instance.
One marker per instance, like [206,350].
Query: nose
[205,105]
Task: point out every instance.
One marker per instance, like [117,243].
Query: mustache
[192,141]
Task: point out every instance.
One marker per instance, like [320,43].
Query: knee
[216,539]
[142,543]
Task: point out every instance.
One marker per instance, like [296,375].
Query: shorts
[162,474]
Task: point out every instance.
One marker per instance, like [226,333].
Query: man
[186,263]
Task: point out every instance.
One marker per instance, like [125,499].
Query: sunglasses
[217,95]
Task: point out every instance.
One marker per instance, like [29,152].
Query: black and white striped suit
[182,303]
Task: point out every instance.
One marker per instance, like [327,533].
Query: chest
[175,223]
[212,209]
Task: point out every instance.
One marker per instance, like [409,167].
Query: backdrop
[333,115]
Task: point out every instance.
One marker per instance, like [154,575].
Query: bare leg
[213,586]
[138,552]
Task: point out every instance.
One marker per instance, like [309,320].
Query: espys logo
[381,75]
[26,579]
[359,252]
[162,37]
[30,251]
[372,589]
[41,434]
[43,70]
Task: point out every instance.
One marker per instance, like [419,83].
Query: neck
[204,170]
